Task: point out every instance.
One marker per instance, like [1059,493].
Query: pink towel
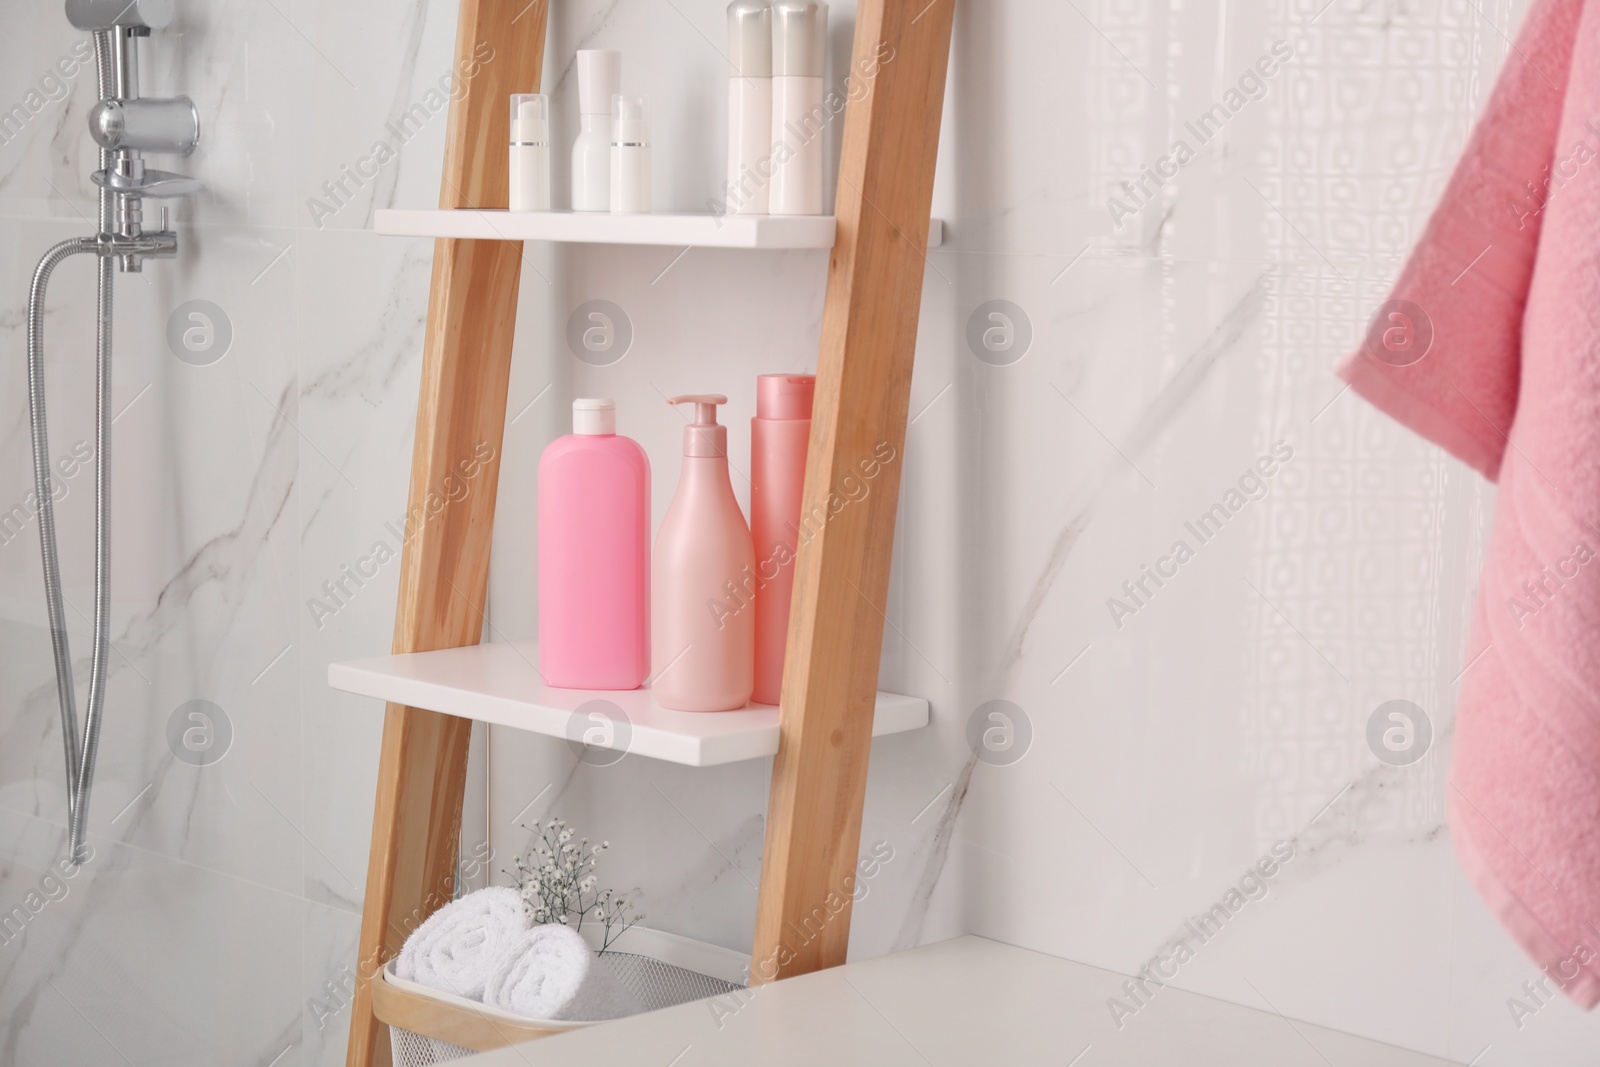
[1490,346]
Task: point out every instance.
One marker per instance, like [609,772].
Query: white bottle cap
[599,79]
[530,119]
[799,38]
[628,124]
[592,418]
[750,39]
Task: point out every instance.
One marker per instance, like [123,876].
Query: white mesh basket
[662,970]
[413,1050]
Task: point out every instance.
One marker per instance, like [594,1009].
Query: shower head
[137,15]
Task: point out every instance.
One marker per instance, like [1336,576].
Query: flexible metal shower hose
[80,755]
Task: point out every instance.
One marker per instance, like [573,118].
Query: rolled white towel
[461,945]
[554,974]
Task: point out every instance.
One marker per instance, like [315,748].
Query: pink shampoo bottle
[594,555]
[779,436]
[703,629]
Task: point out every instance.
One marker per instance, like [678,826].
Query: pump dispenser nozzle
[705,437]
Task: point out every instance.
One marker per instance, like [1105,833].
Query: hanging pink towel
[1490,346]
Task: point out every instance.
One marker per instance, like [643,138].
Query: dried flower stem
[558,884]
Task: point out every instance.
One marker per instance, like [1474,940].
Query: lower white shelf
[499,683]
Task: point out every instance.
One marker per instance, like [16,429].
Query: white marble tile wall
[217,921]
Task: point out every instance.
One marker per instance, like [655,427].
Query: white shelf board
[590,227]
[498,683]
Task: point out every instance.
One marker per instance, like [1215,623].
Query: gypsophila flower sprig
[558,883]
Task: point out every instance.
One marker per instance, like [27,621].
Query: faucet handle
[155,183]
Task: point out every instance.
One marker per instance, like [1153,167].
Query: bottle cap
[799,38]
[530,118]
[599,79]
[705,437]
[750,39]
[784,396]
[594,418]
[628,124]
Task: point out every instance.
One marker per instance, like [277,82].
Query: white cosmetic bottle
[630,156]
[530,152]
[799,54]
[599,79]
[749,107]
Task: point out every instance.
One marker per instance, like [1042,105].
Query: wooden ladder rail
[836,628]
[444,570]
[858,430]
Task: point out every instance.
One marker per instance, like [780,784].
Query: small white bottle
[530,152]
[799,122]
[749,107]
[599,79]
[630,156]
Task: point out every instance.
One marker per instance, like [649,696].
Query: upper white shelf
[498,683]
[590,227]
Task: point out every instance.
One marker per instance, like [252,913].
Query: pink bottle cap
[784,396]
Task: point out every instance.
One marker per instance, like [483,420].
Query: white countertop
[960,1003]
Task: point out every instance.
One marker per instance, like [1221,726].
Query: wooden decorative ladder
[869,332]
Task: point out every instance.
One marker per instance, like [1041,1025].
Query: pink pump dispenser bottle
[703,625]
[594,555]
[779,436]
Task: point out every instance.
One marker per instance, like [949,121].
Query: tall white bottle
[529,170]
[631,172]
[749,107]
[799,55]
[599,79]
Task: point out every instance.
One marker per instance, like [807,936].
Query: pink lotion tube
[594,555]
[703,633]
[779,436]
